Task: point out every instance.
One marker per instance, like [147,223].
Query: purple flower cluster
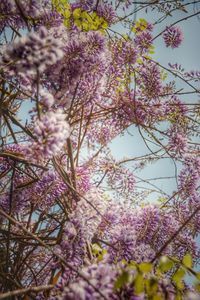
[83,178]
[72,248]
[124,52]
[122,181]
[47,99]
[173,36]
[17,150]
[79,231]
[9,17]
[143,41]
[87,5]
[194,75]
[175,109]
[32,53]
[149,80]
[147,228]
[102,276]
[187,207]
[107,12]
[84,63]
[102,133]
[47,189]
[34,12]
[90,209]
[51,132]
[39,192]
[178,141]
[189,176]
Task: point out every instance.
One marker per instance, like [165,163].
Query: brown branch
[30,289]
[60,258]
[10,212]
[183,19]
[173,73]
[21,11]
[21,159]
[70,153]
[16,122]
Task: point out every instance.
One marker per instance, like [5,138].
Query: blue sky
[188,56]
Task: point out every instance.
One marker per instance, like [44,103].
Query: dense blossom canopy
[75,222]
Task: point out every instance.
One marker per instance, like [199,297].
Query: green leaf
[139,284]
[197,287]
[165,264]
[121,280]
[132,265]
[187,260]
[145,267]
[101,255]
[178,277]
[178,296]
[151,285]
[77,13]
[162,199]
[179,274]
[197,276]
[96,249]
[157,297]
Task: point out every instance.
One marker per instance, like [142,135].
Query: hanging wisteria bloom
[107,12]
[189,177]
[32,53]
[39,12]
[8,14]
[51,132]
[137,234]
[143,41]
[173,36]
[84,63]
[102,276]
[47,99]
[178,142]
[92,208]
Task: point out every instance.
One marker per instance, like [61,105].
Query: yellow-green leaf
[198,276]
[197,287]
[151,285]
[178,296]
[121,280]
[77,13]
[96,249]
[165,264]
[187,260]
[178,277]
[139,284]
[145,267]
[157,297]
